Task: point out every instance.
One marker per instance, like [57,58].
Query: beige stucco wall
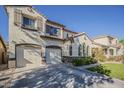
[18,35]
[81,40]
[67,32]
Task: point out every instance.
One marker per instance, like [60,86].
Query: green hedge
[100,69]
[83,61]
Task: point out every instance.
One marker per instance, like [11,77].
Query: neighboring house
[109,44]
[34,39]
[120,49]
[3,55]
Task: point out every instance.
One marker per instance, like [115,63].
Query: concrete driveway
[62,76]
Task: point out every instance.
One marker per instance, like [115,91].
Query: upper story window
[52,30]
[28,23]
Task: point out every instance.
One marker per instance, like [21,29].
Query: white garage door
[28,56]
[53,56]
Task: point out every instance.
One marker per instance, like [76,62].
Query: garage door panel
[28,56]
[53,56]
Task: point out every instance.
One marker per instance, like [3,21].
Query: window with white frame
[52,30]
[28,22]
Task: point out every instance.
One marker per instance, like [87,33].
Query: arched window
[87,50]
[84,47]
[67,35]
[79,50]
[70,50]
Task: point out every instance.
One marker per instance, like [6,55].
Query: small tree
[99,54]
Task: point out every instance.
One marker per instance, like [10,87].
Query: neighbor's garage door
[28,56]
[53,55]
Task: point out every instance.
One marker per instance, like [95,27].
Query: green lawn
[116,70]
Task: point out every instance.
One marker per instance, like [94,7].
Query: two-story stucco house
[109,44]
[35,40]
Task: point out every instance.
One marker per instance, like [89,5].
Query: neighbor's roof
[106,45]
[103,36]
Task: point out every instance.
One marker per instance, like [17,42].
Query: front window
[84,49]
[52,30]
[67,35]
[70,50]
[110,41]
[87,50]
[29,23]
[111,52]
[79,50]
[105,51]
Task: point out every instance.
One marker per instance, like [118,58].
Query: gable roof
[80,34]
[67,30]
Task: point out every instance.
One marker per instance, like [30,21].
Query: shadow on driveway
[59,76]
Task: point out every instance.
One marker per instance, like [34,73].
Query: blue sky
[94,20]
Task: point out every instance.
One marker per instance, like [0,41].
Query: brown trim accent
[81,35]
[67,30]
[56,23]
[51,37]
[53,46]
[28,44]
[29,28]
[12,59]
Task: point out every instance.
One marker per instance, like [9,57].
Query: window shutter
[17,17]
[40,23]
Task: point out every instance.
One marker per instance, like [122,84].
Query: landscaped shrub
[77,62]
[100,69]
[119,58]
[99,54]
[83,61]
[116,58]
